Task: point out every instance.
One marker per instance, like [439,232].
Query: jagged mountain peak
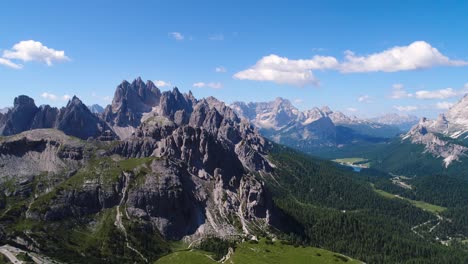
[75,101]
[453,125]
[23,100]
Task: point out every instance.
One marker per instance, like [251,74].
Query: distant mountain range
[438,146]
[316,127]
[74,119]
[445,137]
[156,167]
[4,110]
[96,109]
[403,121]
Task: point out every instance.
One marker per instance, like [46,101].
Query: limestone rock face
[131,101]
[444,136]
[19,118]
[75,119]
[190,168]
[46,117]
[280,121]
[31,153]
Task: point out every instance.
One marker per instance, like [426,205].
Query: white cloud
[417,55]
[407,108]
[437,94]
[364,99]
[53,97]
[160,83]
[30,50]
[10,64]
[49,96]
[285,71]
[298,101]
[214,85]
[443,105]
[176,35]
[351,109]
[220,69]
[398,92]
[216,37]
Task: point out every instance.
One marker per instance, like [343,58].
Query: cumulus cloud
[220,69]
[53,97]
[298,101]
[30,50]
[444,105]
[285,71]
[10,64]
[364,98]
[214,85]
[407,108]
[49,96]
[160,83]
[176,35]
[417,55]
[437,94]
[351,109]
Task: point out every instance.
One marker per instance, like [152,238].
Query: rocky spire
[19,118]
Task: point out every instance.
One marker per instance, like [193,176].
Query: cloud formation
[10,64]
[176,35]
[364,99]
[417,55]
[282,70]
[53,97]
[160,83]
[399,92]
[407,108]
[444,105]
[437,94]
[30,50]
[214,85]
[285,71]
[220,69]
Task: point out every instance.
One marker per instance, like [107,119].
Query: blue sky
[419,64]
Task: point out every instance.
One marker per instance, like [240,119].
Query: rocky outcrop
[191,168]
[131,101]
[34,152]
[46,117]
[75,119]
[20,117]
[444,136]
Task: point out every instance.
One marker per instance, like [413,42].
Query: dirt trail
[118,218]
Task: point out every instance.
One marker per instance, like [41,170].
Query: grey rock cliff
[131,101]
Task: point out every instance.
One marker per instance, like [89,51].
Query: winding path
[118,218]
